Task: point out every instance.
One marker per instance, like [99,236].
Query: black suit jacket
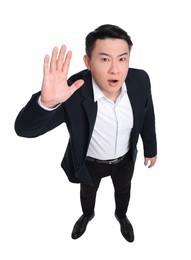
[79,114]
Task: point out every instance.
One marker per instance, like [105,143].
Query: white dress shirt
[112,129]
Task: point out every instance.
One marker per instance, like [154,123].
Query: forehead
[111,46]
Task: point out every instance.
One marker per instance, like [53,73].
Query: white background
[38,206]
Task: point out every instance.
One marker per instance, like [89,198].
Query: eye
[105,59]
[123,59]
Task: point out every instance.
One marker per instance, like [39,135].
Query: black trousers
[121,174]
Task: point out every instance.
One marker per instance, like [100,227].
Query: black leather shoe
[126,228]
[80,226]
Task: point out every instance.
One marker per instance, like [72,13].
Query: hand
[55,89]
[151,161]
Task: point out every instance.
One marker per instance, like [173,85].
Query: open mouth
[113,81]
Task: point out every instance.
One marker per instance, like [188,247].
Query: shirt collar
[98,94]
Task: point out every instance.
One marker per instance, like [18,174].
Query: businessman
[106,107]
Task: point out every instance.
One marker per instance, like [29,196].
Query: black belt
[114,161]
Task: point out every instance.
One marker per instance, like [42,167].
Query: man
[105,107]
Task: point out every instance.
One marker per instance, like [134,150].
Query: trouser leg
[88,197]
[121,177]
[88,192]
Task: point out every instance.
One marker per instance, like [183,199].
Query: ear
[87,61]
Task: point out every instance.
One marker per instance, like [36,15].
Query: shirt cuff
[44,107]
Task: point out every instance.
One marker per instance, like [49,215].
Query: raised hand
[55,89]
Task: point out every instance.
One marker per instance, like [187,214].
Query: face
[109,64]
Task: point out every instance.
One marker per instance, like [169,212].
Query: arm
[33,120]
[148,133]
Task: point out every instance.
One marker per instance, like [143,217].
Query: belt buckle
[117,160]
[114,161]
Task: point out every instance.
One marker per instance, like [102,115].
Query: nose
[114,69]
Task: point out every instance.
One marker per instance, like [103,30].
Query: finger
[66,64]
[76,85]
[61,57]
[46,62]
[152,163]
[145,161]
[53,59]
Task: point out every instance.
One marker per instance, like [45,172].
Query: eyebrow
[106,54]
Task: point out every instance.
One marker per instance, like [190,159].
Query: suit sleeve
[33,120]
[148,132]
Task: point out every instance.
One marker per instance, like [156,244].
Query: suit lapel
[132,94]
[90,107]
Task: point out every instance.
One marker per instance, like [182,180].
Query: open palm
[55,89]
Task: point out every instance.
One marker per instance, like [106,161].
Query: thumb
[76,85]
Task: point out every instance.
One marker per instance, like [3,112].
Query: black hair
[103,32]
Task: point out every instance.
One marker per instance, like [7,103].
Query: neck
[112,96]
